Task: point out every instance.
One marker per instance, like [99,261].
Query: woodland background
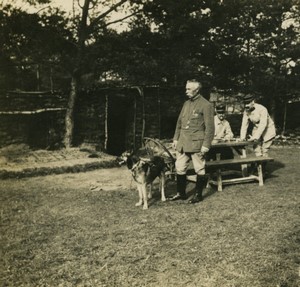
[233,46]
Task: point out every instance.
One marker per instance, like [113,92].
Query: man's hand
[174,144]
[204,149]
[252,139]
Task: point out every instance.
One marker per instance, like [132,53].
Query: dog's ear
[120,160]
[129,162]
[134,158]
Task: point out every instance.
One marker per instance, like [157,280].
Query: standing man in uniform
[192,139]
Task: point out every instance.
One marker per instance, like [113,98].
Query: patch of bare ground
[84,230]
[19,161]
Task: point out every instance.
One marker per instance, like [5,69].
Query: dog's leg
[162,183]
[140,202]
[150,191]
[145,199]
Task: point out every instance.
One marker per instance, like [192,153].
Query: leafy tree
[93,19]
[31,40]
[248,46]
[52,37]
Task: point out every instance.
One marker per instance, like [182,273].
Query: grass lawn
[84,230]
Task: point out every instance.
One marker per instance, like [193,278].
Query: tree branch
[101,16]
[37,12]
[81,7]
[112,8]
[120,19]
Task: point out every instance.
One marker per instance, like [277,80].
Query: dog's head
[122,159]
[127,158]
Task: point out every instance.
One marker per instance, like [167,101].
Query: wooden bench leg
[209,179]
[244,166]
[260,174]
[219,179]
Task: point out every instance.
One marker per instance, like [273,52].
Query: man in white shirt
[263,126]
[222,127]
[223,132]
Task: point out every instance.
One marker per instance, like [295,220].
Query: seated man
[222,127]
[223,132]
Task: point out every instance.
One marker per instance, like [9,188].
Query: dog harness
[134,170]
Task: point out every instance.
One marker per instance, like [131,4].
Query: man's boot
[181,185]
[200,185]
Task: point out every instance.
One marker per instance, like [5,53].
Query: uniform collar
[252,109]
[218,121]
[194,98]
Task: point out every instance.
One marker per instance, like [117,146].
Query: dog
[144,171]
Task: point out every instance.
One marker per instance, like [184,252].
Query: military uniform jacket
[263,125]
[195,125]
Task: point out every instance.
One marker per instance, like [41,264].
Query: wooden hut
[111,119]
[117,119]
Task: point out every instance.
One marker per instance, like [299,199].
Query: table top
[219,143]
[232,143]
[165,146]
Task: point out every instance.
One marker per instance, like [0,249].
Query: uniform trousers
[183,159]
[262,148]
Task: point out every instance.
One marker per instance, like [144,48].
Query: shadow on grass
[275,165]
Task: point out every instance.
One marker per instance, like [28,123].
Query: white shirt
[222,129]
[263,124]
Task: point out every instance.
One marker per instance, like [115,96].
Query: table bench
[219,164]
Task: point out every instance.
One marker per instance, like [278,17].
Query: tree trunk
[76,74]
[69,118]
[106,123]
[83,33]
[272,108]
[284,119]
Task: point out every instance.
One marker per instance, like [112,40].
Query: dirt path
[101,179]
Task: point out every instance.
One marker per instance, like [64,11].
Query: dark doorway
[168,125]
[37,135]
[120,114]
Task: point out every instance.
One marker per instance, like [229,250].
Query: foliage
[29,40]
[241,46]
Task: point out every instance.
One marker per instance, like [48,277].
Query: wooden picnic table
[238,147]
[222,166]
[217,166]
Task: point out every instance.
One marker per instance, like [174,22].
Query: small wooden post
[51,80]
[284,118]
[106,122]
[134,122]
[159,112]
[141,92]
[144,117]
[37,77]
